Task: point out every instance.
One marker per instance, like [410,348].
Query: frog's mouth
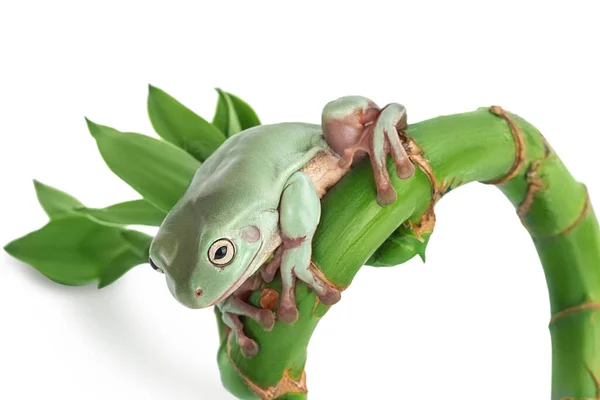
[245,275]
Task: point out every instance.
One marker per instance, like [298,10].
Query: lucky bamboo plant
[81,245]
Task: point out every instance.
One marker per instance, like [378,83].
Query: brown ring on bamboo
[520,153]
[535,185]
[580,217]
[314,268]
[573,310]
[416,154]
[285,385]
[596,381]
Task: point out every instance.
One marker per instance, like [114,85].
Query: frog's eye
[153,265]
[221,252]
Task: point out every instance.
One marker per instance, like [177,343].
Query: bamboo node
[596,381]
[425,224]
[535,185]
[416,154]
[314,268]
[573,310]
[581,216]
[520,152]
[285,385]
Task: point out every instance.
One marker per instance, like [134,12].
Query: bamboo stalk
[486,145]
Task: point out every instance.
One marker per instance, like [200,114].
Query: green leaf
[233,115]
[226,118]
[75,250]
[139,248]
[179,125]
[55,202]
[400,247]
[159,171]
[135,212]
[246,114]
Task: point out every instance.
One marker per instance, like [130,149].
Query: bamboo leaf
[55,202]
[246,114]
[400,247]
[75,250]
[233,115]
[179,125]
[226,117]
[159,171]
[135,212]
[139,247]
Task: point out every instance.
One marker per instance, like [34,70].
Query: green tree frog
[259,195]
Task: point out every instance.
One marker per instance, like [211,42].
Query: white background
[469,324]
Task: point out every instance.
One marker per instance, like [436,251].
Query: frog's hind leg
[354,125]
[299,214]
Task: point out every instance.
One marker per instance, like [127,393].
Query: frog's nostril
[198,292]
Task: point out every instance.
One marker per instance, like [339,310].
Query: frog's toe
[404,169]
[386,195]
[330,296]
[269,270]
[248,347]
[266,319]
[287,313]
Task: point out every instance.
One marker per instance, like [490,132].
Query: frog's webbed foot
[296,264]
[354,125]
[299,213]
[233,307]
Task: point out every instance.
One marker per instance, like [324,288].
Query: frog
[252,208]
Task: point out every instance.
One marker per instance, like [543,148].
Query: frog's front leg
[299,214]
[235,306]
[355,125]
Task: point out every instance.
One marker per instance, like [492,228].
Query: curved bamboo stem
[487,145]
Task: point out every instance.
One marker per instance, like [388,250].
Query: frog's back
[249,170]
[277,145]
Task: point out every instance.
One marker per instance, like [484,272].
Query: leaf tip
[97,130]
[102,284]
[93,127]
[152,89]
[12,247]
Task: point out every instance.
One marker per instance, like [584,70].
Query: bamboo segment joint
[596,380]
[535,185]
[314,268]
[520,153]
[573,310]
[581,216]
[285,385]
[417,156]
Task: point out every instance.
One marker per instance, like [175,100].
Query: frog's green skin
[259,191]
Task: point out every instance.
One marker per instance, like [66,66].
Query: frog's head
[206,256]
